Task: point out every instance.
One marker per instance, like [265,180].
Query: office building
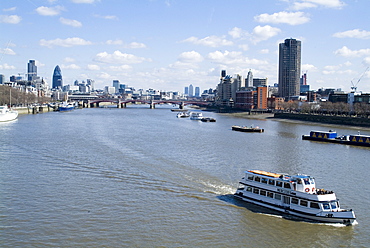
[289,68]
[249,80]
[57,78]
[31,70]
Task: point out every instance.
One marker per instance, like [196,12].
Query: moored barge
[247,129]
[295,195]
[332,137]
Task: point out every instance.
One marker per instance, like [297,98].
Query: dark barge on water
[247,129]
[332,137]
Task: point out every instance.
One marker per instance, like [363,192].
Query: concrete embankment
[34,110]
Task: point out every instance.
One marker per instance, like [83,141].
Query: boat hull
[324,218]
[336,141]
[247,129]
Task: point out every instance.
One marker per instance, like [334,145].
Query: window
[279,184]
[270,194]
[333,205]
[250,177]
[277,197]
[271,182]
[314,205]
[303,203]
[306,181]
[249,189]
[263,192]
[256,191]
[264,180]
[287,185]
[326,206]
[294,201]
[257,179]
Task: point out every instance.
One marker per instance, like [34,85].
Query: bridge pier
[181,105]
[152,106]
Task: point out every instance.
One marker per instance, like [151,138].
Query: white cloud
[264,33]
[135,45]
[7,51]
[69,59]
[366,61]
[355,33]
[70,22]
[308,67]
[119,58]
[238,33]
[93,67]
[7,67]
[10,9]
[291,18]
[346,52]
[103,75]
[120,68]
[69,42]
[108,17]
[11,19]
[114,42]
[49,11]
[71,66]
[236,58]
[190,57]
[210,41]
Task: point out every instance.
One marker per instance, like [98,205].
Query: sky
[169,44]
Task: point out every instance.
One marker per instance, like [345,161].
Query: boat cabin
[300,183]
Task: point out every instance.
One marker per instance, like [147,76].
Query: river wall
[339,120]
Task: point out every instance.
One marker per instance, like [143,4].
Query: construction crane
[354,86]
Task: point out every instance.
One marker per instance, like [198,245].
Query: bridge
[122,103]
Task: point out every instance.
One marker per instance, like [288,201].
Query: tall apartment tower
[289,68]
[57,78]
[191,90]
[249,79]
[31,70]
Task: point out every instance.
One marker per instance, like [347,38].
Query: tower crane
[354,86]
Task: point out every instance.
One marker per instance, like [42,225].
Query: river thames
[140,177]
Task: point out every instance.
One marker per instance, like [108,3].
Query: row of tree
[9,95]
[328,108]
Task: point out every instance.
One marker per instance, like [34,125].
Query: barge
[332,137]
[295,195]
[247,129]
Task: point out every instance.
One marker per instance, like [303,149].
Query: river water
[140,177]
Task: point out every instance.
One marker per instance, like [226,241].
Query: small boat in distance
[66,107]
[247,129]
[7,114]
[208,119]
[196,116]
[183,115]
[295,195]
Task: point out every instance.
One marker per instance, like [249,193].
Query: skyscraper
[31,70]
[249,79]
[289,68]
[57,78]
[191,90]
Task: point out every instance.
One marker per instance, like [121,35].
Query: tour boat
[295,195]
[7,114]
[182,115]
[66,107]
[196,116]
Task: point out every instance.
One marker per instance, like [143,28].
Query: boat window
[287,185]
[333,205]
[314,205]
[303,203]
[264,180]
[326,206]
[277,197]
[270,194]
[306,181]
[299,181]
[312,181]
[257,179]
[271,182]
[294,201]
[263,192]
[279,184]
[256,191]
[249,189]
[250,177]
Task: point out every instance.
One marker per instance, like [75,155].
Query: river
[140,177]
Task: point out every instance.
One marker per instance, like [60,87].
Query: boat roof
[277,175]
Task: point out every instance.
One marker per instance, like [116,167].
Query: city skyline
[189,42]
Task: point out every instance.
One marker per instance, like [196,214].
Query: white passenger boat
[182,115]
[7,114]
[196,116]
[295,195]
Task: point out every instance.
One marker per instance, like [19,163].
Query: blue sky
[169,44]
